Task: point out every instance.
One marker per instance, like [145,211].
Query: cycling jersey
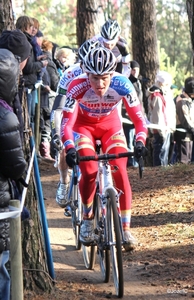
[121,45]
[69,74]
[55,117]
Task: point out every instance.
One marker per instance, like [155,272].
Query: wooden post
[16,255]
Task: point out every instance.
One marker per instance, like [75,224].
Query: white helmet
[110,30]
[86,47]
[99,61]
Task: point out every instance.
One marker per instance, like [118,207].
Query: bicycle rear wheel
[103,250]
[114,235]
[89,253]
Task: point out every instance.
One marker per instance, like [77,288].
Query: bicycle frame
[74,201]
[74,192]
[105,181]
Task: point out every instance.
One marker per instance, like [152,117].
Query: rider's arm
[70,112]
[56,114]
[134,111]
[123,48]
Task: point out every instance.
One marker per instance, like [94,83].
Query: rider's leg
[63,185]
[115,143]
[87,185]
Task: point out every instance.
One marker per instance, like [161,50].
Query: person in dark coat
[48,90]
[12,162]
[16,42]
[31,69]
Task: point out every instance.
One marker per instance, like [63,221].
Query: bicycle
[73,198]
[74,201]
[108,233]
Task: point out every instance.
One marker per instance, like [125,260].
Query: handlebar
[108,156]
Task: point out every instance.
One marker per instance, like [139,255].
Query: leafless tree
[144,39]
[6,15]
[90,18]
[190,12]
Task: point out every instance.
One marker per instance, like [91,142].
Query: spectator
[185,122]
[35,27]
[16,42]
[54,51]
[37,47]
[161,111]
[129,129]
[47,96]
[12,162]
[25,24]
[65,57]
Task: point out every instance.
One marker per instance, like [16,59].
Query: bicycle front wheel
[89,252]
[114,236]
[103,249]
[76,209]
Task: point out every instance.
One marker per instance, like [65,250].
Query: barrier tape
[153,126]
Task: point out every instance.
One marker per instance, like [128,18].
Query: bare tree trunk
[144,49]
[144,39]
[90,18]
[35,268]
[6,15]
[190,12]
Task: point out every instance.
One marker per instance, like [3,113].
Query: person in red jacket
[91,112]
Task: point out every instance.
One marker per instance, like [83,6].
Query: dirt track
[150,272]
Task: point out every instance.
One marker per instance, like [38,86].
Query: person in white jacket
[162,112]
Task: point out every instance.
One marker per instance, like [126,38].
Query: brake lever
[141,166]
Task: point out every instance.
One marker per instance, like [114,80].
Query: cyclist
[55,119]
[90,112]
[110,38]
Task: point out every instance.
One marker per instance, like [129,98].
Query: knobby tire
[114,235]
[102,248]
[74,215]
[89,252]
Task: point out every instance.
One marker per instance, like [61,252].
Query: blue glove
[72,157]
[140,150]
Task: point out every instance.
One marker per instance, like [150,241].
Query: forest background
[58,23]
